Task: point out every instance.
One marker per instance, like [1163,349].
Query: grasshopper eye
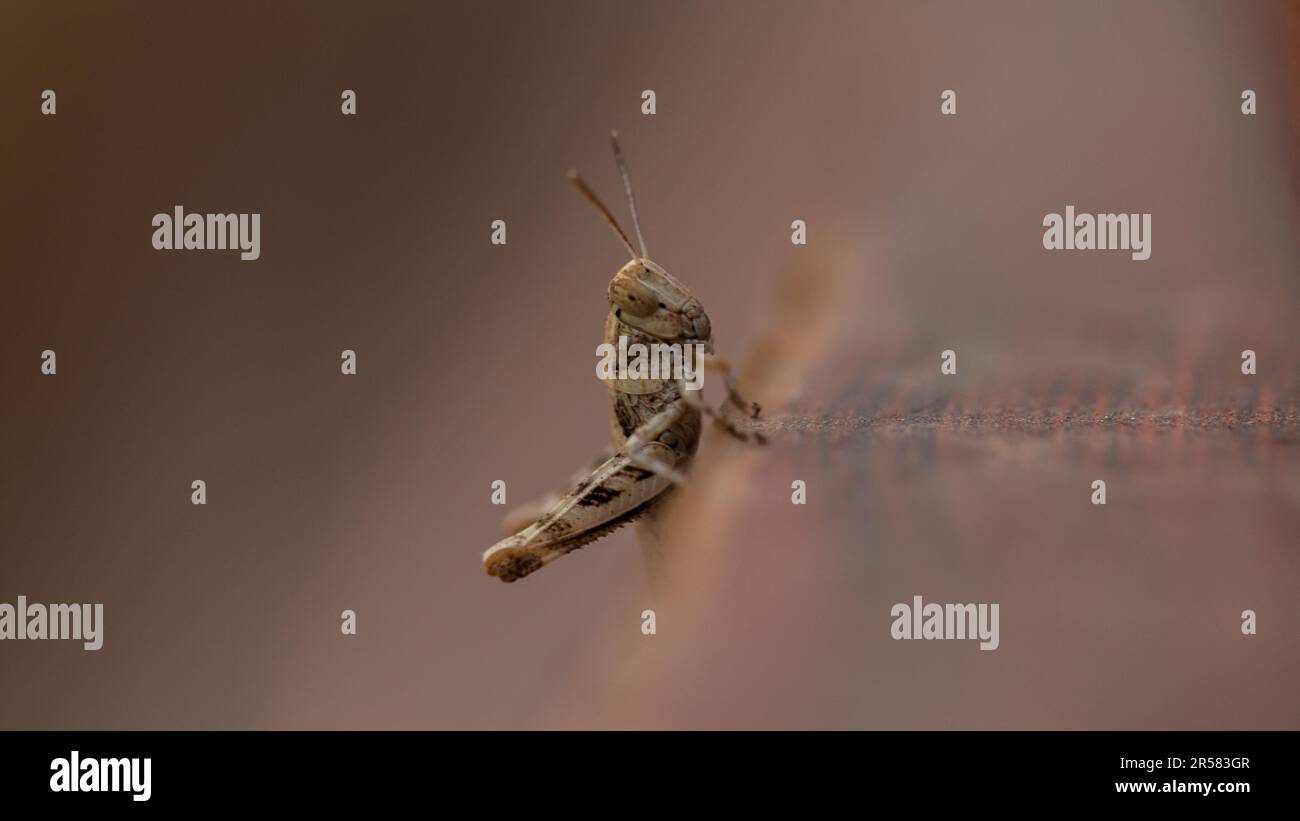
[633,297]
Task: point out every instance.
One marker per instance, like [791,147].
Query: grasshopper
[654,423]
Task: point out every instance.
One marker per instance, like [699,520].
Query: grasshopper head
[650,299]
[642,294]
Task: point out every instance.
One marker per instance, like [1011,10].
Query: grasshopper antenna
[604,212]
[627,186]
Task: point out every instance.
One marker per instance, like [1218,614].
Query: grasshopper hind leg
[520,517]
[511,564]
[614,494]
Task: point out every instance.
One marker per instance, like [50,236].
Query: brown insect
[654,422]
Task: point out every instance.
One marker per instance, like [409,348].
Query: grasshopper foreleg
[717,363]
[694,400]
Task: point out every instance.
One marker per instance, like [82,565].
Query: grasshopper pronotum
[655,423]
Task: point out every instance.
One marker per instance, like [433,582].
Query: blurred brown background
[476,362]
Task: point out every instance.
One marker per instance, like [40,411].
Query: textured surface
[967,488]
